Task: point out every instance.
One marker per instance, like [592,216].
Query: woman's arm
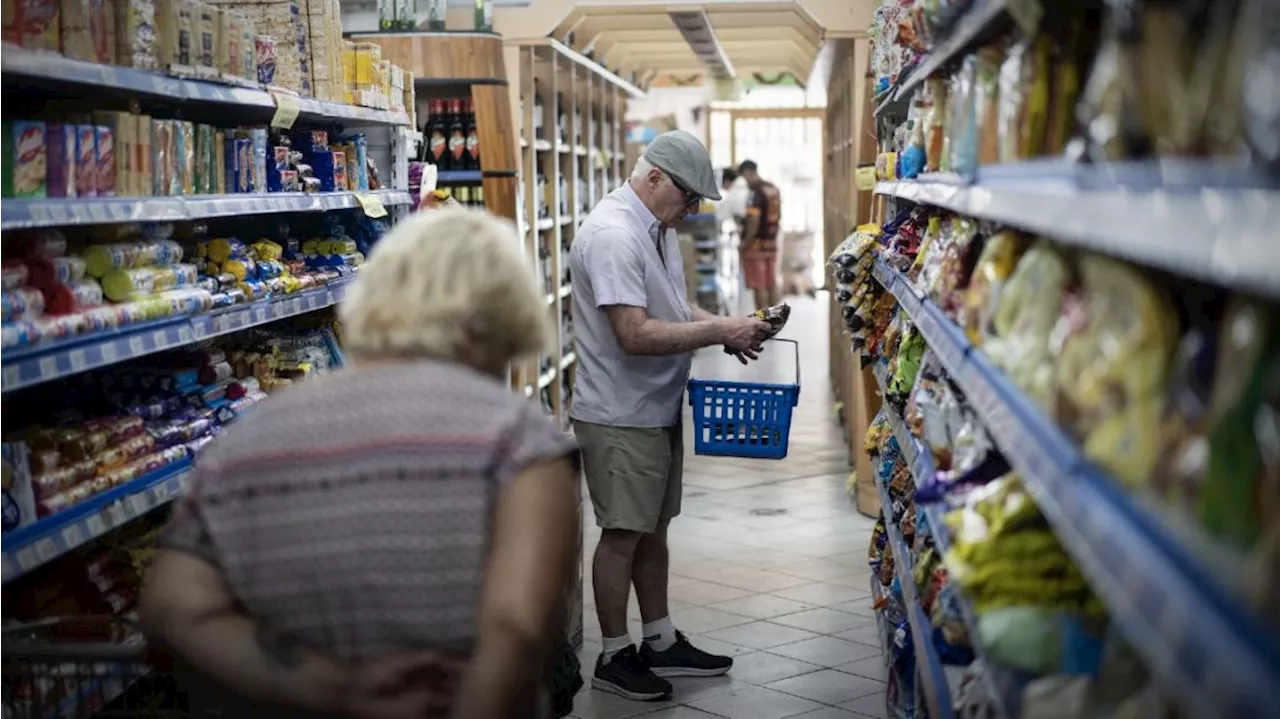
[534,535]
[187,609]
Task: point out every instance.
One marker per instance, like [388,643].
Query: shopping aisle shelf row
[934,686]
[26,67]
[979,19]
[51,537]
[1196,636]
[27,366]
[59,212]
[1155,214]
[567,361]
[1004,686]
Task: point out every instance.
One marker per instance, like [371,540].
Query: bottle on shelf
[561,129]
[436,148]
[537,112]
[472,135]
[564,195]
[457,137]
[386,14]
[484,15]
[436,15]
[477,197]
[544,207]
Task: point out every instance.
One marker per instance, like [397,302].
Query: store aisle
[769,564]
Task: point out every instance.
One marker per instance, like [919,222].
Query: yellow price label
[287,108]
[371,205]
[865,179]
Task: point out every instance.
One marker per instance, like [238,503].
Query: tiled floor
[768,564]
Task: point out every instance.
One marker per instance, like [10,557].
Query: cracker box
[207,26]
[122,127]
[86,160]
[248,50]
[176,30]
[143,159]
[265,51]
[88,31]
[33,24]
[30,159]
[164,168]
[60,154]
[105,152]
[137,42]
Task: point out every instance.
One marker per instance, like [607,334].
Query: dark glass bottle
[473,136]
[457,137]
[437,138]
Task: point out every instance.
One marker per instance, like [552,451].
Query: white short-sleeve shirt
[622,255]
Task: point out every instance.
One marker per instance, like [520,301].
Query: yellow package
[997,261]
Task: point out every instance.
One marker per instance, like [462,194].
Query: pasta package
[136,34]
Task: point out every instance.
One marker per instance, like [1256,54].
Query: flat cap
[681,156]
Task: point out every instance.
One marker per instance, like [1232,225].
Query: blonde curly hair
[450,284]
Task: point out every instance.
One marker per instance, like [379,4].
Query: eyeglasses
[690,197]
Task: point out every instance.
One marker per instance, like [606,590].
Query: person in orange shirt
[760,237]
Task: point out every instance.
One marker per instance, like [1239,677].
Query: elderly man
[635,335]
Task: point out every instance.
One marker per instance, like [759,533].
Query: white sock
[613,645]
[660,635]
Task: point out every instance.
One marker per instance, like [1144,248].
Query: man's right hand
[744,333]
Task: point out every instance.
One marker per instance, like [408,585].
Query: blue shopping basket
[743,419]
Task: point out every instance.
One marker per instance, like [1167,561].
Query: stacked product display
[1076,358]
[292,46]
[91,458]
[121,154]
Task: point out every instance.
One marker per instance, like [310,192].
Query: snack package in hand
[776,316]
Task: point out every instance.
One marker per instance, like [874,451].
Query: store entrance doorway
[786,144]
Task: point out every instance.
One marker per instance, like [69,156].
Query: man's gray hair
[642,168]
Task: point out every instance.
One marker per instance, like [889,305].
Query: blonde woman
[392,539]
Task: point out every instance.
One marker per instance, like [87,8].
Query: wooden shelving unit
[569,159]
[851,142]
[466,65]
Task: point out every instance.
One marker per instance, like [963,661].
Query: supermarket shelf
[542,145]
[706,267]
[566,219]
[49,538]
[700,217]
[568,360]
[566,290]
[546,223]
[28,366]
[968,30]
[932,678]
[580,151]
[459,176]
[1004,686]
[1149,213]
[706,245]
[54,70]
[1197,638]
[55,212]
[551,299]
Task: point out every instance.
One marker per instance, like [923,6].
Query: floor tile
[869,635]
[828,686]
[679,712]
[761,667]
[595,704]
[762,635]
[762,606]
[702,620]
[827,713]
[871,667]
[826,651]
[872,705]
[706,593]
[756,703]
[823,620]
[823,594]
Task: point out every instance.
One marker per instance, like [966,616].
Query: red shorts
[760,269]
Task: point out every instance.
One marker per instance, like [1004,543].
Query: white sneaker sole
[612,688]
[688,671]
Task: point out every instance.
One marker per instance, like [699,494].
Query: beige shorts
[634,474]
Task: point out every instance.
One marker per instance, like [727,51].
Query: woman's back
[352,514]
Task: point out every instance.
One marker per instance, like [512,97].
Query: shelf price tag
[287,108]
[1026,13]
[371,205]
[865,178]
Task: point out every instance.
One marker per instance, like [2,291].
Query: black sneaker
[627,676]
[683,659]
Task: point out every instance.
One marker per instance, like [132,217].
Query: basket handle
[794,345]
